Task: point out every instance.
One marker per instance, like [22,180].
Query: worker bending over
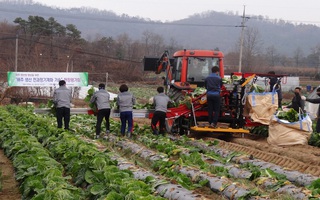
[160,101]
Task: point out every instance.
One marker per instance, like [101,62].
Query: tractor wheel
[177,126]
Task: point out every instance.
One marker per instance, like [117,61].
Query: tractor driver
[195,70]
[213,85]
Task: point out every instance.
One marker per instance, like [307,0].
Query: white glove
[303,98]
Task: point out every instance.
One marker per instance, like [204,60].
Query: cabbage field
[52,163]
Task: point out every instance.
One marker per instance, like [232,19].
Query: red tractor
[186,70]
[184,73]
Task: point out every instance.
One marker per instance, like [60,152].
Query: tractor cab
[185,70]
[196,70]
[193,66]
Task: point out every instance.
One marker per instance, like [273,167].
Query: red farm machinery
[185,72]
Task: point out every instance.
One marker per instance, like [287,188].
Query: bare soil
[10,187]
[303,158]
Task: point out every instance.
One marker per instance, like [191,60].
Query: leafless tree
[251,48]
[146,40]
[298,56]
[272,56]
[154,43]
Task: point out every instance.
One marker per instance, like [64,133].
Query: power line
[132,21]
[7,38]
[290,21]
[81,51]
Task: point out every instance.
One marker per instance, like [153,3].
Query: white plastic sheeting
[312,108]
[84,91]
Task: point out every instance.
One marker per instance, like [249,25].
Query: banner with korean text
[45,79]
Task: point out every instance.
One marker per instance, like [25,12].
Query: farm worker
[101,99]
[213,85]
[125,102]
[160,101]
[62,100]
[297,102]
[275,85]
[317,101]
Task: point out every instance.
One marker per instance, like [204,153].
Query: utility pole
[107,77]
[244,19]
[16,56]
[318,62]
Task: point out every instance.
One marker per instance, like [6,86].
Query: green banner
[41,79]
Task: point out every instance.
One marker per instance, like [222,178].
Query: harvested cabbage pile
[290,115]
[198,91]
[257,88]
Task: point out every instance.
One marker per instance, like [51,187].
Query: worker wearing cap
[213,84]
[276,86]
[297,103]
[62,100]
[101,98]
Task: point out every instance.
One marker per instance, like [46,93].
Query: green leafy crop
[291,115]
[88,97]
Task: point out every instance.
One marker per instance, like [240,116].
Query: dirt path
[10,188]
[303,158]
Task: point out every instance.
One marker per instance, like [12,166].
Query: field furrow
[217,184]
[293,176]
[299,163]
[233,170]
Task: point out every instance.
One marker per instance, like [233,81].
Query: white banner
[73,79]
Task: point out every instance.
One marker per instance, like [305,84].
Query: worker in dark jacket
[317,101]
[160,101]
[297,103]
[213,85]
[276,86]
[101,98]
[125,102]
[62,101]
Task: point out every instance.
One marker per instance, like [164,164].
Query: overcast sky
[305,11]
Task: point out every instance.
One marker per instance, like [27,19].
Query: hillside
[208,30]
